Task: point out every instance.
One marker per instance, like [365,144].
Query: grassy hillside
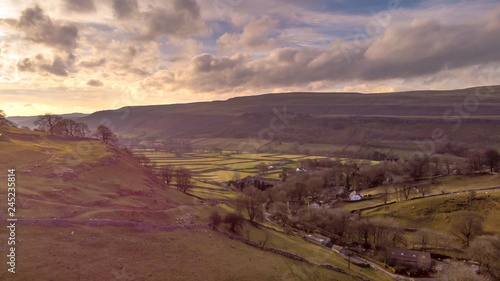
[431,217]
[97,204]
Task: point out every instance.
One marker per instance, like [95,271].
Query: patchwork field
[212,171]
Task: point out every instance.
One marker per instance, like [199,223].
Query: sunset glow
[81,56]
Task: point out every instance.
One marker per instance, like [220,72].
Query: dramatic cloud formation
[59,54]
[423,47]
[38,27]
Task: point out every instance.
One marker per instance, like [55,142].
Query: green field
[211,170]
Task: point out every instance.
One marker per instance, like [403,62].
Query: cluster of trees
[182,176]
[66,127]
[167,174]
[57,125]
[342,226]
[486,251]
[234,220]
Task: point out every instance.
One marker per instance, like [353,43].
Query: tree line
[56,125]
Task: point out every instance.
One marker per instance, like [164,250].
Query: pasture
[211,171]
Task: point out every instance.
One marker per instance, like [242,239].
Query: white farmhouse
[354,196]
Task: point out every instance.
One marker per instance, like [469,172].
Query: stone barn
[409,259]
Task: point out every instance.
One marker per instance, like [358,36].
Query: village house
[354,196]
[409,259]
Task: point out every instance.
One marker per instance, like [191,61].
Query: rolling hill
[378,121]
[89,214]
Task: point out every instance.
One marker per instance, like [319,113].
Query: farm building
[318,240]
[409,259]
[354,196]
[257,181]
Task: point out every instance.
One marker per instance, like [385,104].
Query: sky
[65,56]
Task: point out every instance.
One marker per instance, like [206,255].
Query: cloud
[80,6]
[27,105]
[92,63]
[95,83]
[183,20]
[256,35]
[423,48]
[39,28]
[43,65]
[427,46]
[124,9]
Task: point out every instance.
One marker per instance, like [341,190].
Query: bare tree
[215,219]
[183,178]
[106,136]
[385,193]
[281,213]
[398,191]
[475,159]
[486,251]
[307,218]
[48,122]
[447,161]
[425,189]
[364,229]
[419,166]
[407,191]
[338,221]
[492,158]
[234,220]
[82,130]
[252,201]
[68,127]
[298,189]
[167,174]
[424,237]
[466,225]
